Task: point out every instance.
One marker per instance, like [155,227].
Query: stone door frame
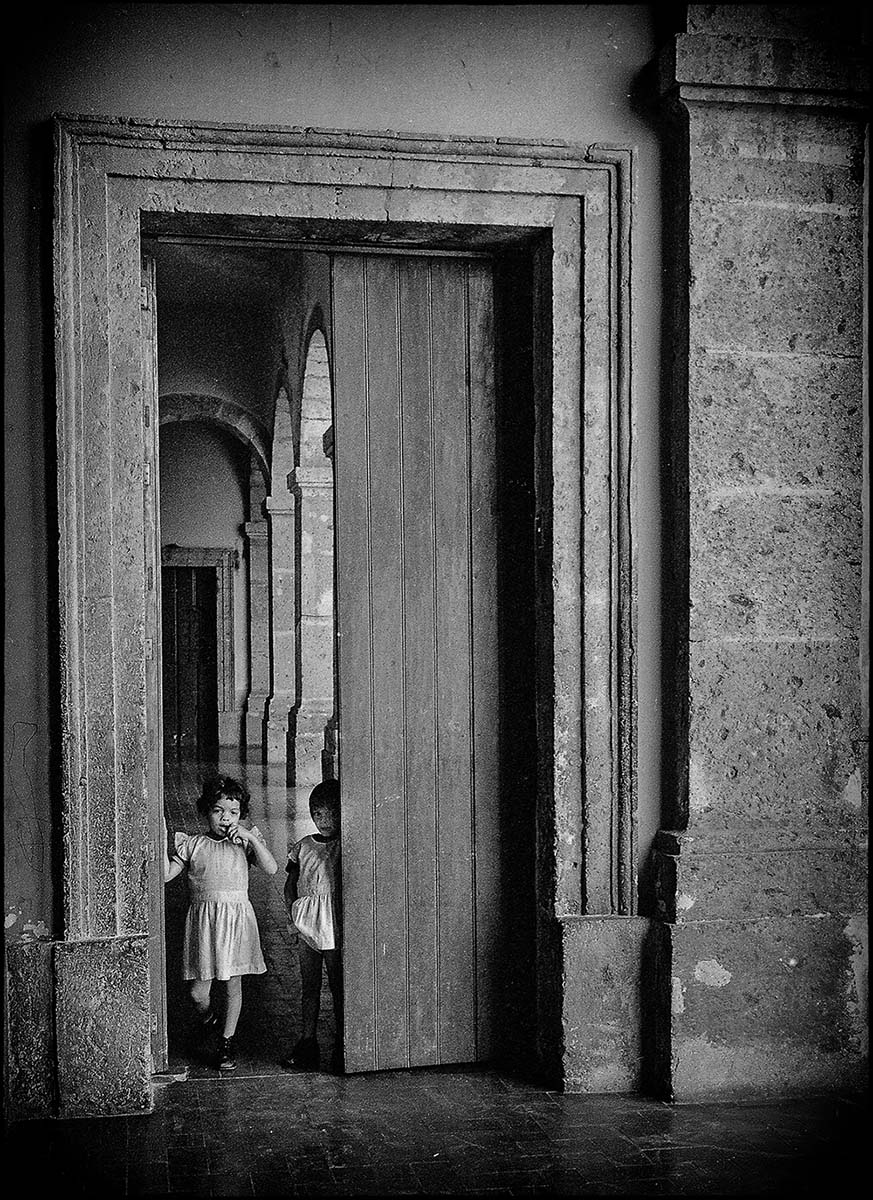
[116,179]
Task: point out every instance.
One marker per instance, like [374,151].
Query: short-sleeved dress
[315,912]
[221,930]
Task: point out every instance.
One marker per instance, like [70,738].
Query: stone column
[313,488]
[760,879]
[259,626]
[281,511]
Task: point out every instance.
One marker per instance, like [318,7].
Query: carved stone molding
[117,179]
[256,531]
[305,479]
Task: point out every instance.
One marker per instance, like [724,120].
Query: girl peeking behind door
[312,899]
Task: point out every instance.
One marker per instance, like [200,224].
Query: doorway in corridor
[431,358]
[189,645]
[565,213]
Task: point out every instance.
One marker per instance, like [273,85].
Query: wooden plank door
[414,421]
[152,600]
[190,662]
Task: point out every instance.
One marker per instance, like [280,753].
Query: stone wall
[763,889]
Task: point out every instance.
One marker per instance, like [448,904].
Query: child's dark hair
[223,785]
[325,794]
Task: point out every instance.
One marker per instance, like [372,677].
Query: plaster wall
[563,72]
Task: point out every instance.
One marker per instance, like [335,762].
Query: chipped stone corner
[31,1080]
[78,1028]
[103,1027]
[857,976]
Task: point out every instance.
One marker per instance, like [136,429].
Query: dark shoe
[226,1058]
[304,1054]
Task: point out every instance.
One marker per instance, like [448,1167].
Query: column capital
[731,68]
[307,479]
[255,531]
[284,502]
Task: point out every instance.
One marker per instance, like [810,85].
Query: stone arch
[316,415]
[212,410]
[311,483]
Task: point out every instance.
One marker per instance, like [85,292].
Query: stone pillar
[281,511]
[259,632]
[760,881]
[313,488]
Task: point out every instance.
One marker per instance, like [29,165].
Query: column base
[276,741]
[230,728]
[310,739]
[603,994]
[755,999]
[767,1007]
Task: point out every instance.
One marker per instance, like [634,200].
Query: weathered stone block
[772,278]
[696,883]
[773,565]
[783,159]
[777,737]
[792,21]
[740,60]
[768,165]
[602,1001]
[767,1006]
[30,1030]
[103,1027]
[777,740]
[774,422]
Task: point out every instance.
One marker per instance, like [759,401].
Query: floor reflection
[270,1019]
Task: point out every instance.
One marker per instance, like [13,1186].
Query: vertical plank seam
[471,651]
[437,981]
[374,863]
[404,707]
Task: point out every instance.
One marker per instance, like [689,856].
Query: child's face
[326,819]
[223,817]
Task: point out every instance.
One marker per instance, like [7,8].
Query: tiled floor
[267,1132]
[445,1132]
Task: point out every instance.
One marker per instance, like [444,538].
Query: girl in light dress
[313,903]
[221,930]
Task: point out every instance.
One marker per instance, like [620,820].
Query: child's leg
[200,993]
[334,963]
[310,976]
[234,1005]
